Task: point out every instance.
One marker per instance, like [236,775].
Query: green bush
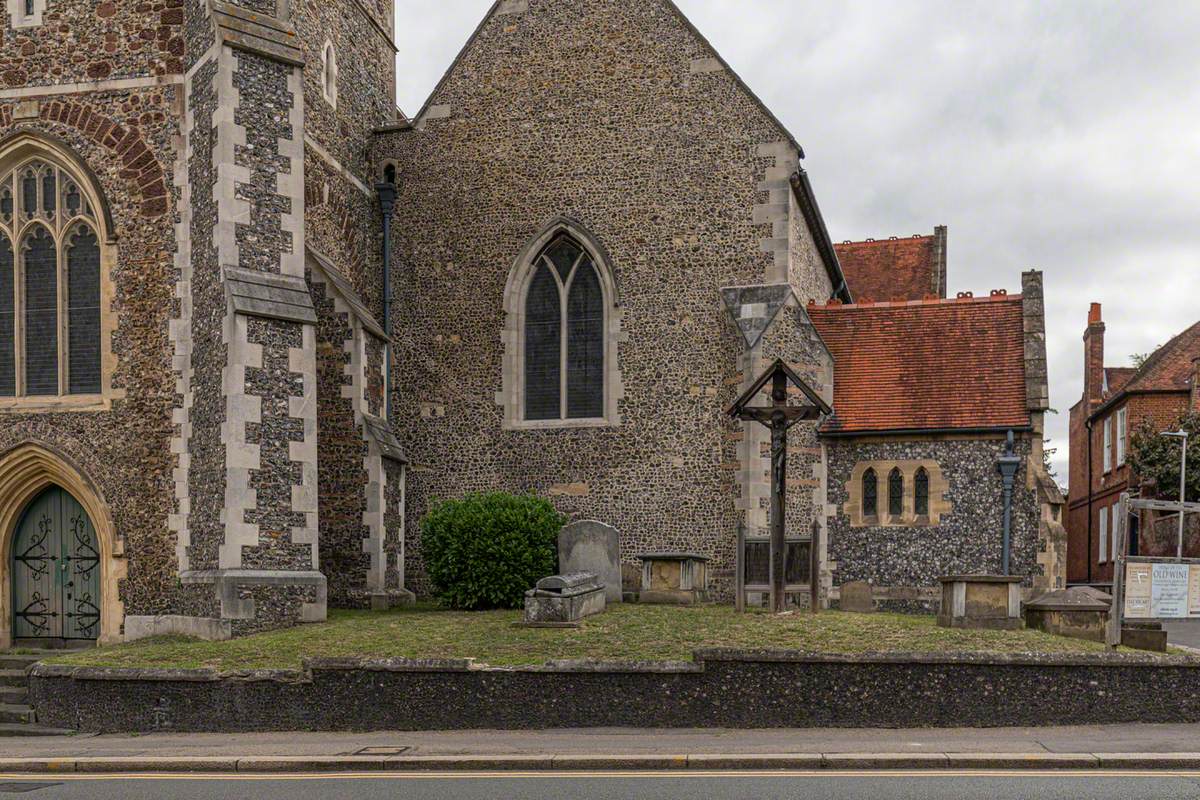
[486,550]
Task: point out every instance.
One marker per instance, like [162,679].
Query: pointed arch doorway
[59,553]
[55,572]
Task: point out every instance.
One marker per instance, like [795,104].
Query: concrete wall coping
[716,655]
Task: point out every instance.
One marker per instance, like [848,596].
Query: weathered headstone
[590,546]
[857,597]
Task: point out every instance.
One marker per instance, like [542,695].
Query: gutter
[1001,430]
[807,199]
[1117,398]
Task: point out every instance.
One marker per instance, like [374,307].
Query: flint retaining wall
[721,688]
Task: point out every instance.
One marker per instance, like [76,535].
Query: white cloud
[1063,136]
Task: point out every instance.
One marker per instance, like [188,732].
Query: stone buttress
[246,511]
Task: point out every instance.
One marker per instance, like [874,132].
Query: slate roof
[890,269]
[927,365]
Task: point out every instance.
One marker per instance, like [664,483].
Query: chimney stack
[1195,404]
[939,261]
[1093,357]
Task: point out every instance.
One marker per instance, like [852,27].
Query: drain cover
[21,788]
[381,751]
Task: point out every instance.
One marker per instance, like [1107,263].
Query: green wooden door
[56,571]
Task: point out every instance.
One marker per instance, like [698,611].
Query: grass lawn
[627,632]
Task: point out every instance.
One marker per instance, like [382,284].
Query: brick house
[1115,402]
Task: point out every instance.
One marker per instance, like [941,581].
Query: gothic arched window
[329,74]
[921,493]
[50,262]
[870,494]
[896,493]
[564,335]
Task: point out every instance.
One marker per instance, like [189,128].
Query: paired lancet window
[49,284]
[564,335]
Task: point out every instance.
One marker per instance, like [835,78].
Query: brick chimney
[939,261]
[1195,405]
[1093,357]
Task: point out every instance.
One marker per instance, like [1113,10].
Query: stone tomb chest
[1074,612]
[981,601]
[564,599]
[680,578]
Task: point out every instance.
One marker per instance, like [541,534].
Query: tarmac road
[1091,785]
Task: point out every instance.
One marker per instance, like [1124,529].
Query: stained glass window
[50,310]
[921,493]
[564,336]
[895,493]
[83,312]
[41,312]
[870,493]
[8,368]
[585,346]
[543,348]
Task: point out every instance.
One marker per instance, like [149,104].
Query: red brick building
[1115,402]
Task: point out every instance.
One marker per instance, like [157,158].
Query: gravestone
[857,597]
[590,546]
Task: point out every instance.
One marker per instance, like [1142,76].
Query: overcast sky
[1062,136]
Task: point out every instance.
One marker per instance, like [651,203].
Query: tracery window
[329,74]
[896,493]
[921,493]
[50,256]
[564,335]
[870,494]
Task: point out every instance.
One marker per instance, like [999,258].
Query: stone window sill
[47,405]
[559,424]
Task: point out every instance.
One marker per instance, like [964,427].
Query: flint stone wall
[904,563]
[721,688]
[680,197]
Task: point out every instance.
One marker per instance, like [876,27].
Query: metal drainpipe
[1008,465]
[387,202]
[1088,426]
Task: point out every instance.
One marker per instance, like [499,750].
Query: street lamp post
[1183,436]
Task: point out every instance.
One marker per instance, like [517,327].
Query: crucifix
[779,417]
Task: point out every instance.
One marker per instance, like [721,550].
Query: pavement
[1183,633]
[620,786]
[1144,746]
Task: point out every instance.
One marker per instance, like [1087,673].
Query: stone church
[253,319]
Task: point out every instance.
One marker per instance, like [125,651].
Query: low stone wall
[722,688]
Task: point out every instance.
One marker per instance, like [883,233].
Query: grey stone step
[19,661]
[15,713]
[13,677]
[13,695]
[9,729]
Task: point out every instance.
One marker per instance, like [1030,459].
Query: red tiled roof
[1117,377]
[1169,368]
[933,365]
[889,269]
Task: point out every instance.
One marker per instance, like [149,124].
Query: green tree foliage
[1155,458]
[486,550]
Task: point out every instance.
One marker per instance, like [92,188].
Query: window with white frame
[1112,532]
[1104,535]
[1108,454]
[26,13]
[50,279]
[329,74]
[1122,434]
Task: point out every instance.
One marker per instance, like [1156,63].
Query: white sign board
[1162,591]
